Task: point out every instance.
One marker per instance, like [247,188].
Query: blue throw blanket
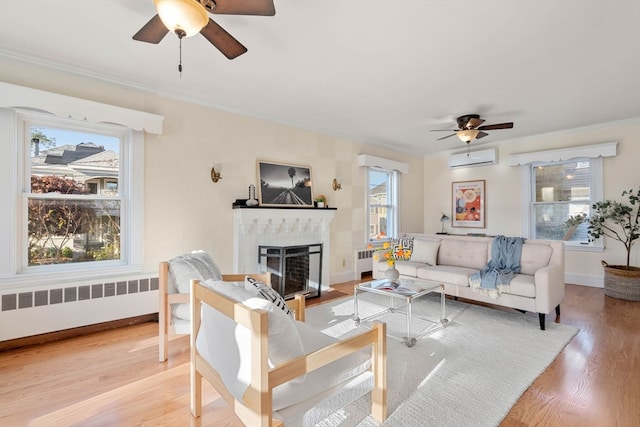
[496,276]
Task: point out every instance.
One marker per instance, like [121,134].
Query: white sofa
[451,259]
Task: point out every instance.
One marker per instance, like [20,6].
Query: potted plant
[320,201]
[619,221]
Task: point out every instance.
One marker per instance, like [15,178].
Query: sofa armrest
[549,283]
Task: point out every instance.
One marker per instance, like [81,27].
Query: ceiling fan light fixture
[187,16]
[467,135]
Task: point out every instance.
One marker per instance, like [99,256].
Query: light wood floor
[113,378]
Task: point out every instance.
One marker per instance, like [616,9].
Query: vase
[392,274]
[252,201]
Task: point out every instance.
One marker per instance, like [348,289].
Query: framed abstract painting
[468,200]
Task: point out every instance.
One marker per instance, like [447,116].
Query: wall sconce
[215,174]
[444,219]
[337,184]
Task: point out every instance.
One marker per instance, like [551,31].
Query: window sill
[44,279]
[583,247]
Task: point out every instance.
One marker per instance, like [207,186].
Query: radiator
[362,262]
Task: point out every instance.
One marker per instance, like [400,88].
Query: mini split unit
[473,158]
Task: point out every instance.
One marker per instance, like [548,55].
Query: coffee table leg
[443,318]
[409,340]
[356,317]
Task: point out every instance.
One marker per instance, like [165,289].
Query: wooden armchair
[169,297]
[266,391]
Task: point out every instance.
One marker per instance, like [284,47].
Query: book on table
[395,286]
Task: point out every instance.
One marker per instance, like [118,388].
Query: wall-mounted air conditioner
[473,158]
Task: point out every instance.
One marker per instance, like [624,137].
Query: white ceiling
[375,71]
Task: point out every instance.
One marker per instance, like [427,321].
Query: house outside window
[382,204]
[73,207]
[562,192]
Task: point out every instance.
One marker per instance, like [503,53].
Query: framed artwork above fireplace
[282,184]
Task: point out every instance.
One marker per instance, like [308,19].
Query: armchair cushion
[227,345]
[324,378]
[267,292]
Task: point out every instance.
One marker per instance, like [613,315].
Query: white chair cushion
[321,379]
[227,345]
[184,268]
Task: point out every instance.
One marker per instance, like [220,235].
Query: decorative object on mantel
[337,184]
[621,222]
[284,185]
[444,219]
[252,201]
[215,174]
[320,201]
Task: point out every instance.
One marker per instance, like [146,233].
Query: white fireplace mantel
[253,227]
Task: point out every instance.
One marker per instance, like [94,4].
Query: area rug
[468,373]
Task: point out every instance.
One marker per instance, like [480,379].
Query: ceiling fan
[186,18]
[469,128]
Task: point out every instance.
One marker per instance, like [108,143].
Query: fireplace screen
[294,269]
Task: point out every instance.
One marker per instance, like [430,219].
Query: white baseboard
[584,280]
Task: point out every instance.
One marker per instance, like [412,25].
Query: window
[562,193]
[382,201]
[558,185]
[73,205]
[80,191]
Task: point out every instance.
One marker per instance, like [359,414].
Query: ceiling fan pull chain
[180,63]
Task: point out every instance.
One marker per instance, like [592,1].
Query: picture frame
[284,184]
[468,200]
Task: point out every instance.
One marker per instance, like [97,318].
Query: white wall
[503,183]
[185,210]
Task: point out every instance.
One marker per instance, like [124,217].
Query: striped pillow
[267,293]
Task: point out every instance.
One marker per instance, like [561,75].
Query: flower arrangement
[389,252]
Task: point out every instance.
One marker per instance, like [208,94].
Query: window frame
[14,269]
[529,198]
[391,205]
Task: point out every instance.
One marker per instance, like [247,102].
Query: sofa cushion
[406,268]
[460,253]
[534,257]
[425,251]
[323,378]
[522,285]
[197,265]
[268,293]
[446,274]
[227,345]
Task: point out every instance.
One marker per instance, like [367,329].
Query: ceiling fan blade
[481,135]
[152,32]
[217,36]
[245,7]
[443,130]
[445,137]
[508,125]
[474,123]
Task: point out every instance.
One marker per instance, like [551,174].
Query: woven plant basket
[621,283]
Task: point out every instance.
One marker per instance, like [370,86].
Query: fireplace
[294,269]
[281,227]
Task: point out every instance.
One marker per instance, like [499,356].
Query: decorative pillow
[268,293]
[185,268]
[425,251]
[402,248]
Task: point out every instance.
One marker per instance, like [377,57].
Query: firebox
[294,269]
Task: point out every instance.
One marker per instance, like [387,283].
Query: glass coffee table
[401,294]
